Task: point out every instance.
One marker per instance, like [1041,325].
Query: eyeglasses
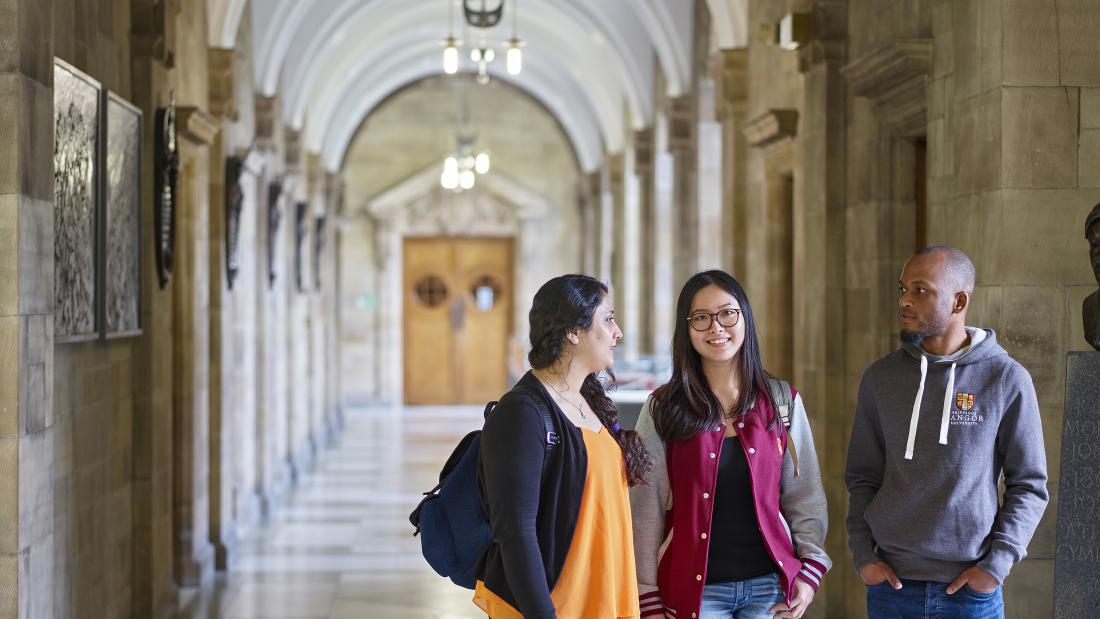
[701,321]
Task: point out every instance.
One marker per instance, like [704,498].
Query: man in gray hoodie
[937,423]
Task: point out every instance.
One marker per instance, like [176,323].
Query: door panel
[458,309]
[429,291]
[483,270]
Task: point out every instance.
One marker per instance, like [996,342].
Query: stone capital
[197,126]
[221,80]
[772,126]
[267,121]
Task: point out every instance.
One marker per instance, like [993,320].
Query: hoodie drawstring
[945,420]
[916,410]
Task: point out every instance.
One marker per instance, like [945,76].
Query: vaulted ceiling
[590,62]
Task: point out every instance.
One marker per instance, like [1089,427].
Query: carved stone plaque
[122,219]
[76,203]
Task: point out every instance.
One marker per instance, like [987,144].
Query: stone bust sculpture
[1090,312]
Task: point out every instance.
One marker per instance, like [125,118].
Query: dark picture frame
[120,218]
[77,204]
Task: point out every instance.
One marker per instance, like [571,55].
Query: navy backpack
[454,529]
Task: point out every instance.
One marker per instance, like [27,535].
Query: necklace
[561,394]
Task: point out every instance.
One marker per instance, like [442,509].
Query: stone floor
[342,548]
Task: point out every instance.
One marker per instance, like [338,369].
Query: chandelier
[462,167]
[483,54]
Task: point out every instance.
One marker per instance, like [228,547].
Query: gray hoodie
[930,440]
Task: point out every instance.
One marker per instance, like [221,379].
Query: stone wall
[1000,96]
[128,458]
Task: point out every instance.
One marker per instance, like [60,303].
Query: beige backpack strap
[781,395]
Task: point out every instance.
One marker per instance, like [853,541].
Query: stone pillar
[153,585]
[588,201]
[628,297]
[769,266]
[334,410]
[611,221]
[26,311]
[194,556]
[644,154]
[711,235]
[663,289]
[682,145]
[819,275]
[730,71]
[223,417]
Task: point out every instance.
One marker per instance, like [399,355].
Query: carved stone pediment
[771,127]
[895,76]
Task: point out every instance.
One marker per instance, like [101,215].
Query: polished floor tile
[342,546]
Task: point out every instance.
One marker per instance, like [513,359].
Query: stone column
[194,555]
[643,169]
[628,300]
[26,310]
[819,299]
[153,585]
[710,234]
[682,145]
[730,71]
[223,418]
[663,297]
[611,221]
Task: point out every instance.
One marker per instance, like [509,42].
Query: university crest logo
[964,401]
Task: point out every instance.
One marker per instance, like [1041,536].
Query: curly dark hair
[564,305]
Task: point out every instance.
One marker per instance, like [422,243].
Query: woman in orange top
[557,502]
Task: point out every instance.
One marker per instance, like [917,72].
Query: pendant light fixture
[450,44]
[514,58]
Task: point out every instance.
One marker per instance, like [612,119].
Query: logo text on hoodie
[964,413]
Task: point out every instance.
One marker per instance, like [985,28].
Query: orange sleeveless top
[598,578]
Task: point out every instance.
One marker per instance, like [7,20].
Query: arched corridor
[263,261]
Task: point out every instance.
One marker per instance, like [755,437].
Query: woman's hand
[803,596]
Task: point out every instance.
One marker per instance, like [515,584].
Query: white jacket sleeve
[802,498]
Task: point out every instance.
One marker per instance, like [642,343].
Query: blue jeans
[919,599]
[742,599]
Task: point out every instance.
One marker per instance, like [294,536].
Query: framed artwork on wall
[121,219]
[77,198]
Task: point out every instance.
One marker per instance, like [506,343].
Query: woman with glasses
[557,501]
[732,523]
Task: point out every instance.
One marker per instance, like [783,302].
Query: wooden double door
[457,319]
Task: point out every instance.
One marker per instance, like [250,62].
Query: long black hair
[568,304]
[686,405]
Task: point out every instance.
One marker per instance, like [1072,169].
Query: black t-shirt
[737,550]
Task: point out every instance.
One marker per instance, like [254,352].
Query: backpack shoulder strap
[781,396]
[784,403]
[552,437]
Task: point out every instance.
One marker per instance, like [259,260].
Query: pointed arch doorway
[457,318]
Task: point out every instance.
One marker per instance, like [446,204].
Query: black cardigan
[532,516]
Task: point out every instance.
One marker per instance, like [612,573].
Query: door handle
[458,313]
